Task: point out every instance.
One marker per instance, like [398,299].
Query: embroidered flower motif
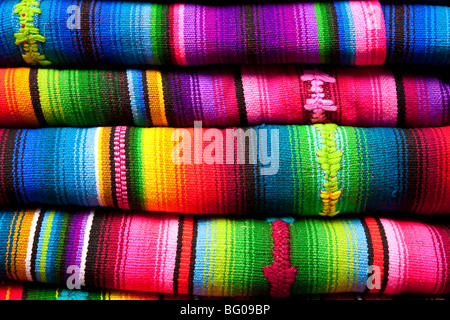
[317,104]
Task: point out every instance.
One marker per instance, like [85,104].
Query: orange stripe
[22,95]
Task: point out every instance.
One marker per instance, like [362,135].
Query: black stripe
[93,28]
[99,261]
[34,94]
[193,256]
[114,106]
[399,34]
[407,35]
[168,99]
[240,98]
[9,157]
[369,247]
[91,258]
[335,53]
[35,245]
[176,271]
[105,248]
[22,173]
[385,256]
[251,56]
[124,102]
[78,33]
[401,101]
[148,114]
[85,32]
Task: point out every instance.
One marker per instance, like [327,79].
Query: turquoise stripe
[362,261]
[200,260]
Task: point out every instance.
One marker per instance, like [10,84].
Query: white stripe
[30,244]
[87,232]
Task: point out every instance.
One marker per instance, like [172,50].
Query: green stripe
[325,30]
[160,36]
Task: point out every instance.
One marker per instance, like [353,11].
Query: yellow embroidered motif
[28,36]
[329,159]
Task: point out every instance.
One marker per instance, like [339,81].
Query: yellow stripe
[156,98]
[23,96]
[104,167]
[159,172]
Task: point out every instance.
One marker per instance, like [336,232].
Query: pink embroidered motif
[317,104]
[120,167]
[280,274]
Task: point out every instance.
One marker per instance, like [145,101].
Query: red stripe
[377,245]
[186,253]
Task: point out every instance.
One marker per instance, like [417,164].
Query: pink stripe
[370,32]
[397,255]
[120,167]
[388,98]
[178,34]
[252,94]
[420,254]
[151,253]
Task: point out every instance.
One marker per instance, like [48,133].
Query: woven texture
[290,169]
[222,96]
[136,33]
[184,254]
[19,290]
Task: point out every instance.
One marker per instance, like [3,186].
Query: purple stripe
[310,37]
[75,244]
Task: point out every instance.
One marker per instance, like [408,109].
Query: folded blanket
[288,169]
[225,96]
[185,254]
[19,290]
[68,32]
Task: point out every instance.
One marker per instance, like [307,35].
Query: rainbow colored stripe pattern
[163,170]
[340,32]
[220,96]
[20,290]
[225,257]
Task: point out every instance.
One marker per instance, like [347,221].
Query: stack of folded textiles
[184,150]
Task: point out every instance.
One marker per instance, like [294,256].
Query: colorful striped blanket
[20,290]
[187,254]
[222,96]
[89,32]
[288,169]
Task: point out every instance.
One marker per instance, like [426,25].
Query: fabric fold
[322,169]
[222,96]
[186,254]
[142,33]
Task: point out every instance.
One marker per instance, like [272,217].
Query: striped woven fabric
[69,32]
[222,96]
[19,290]
[185,254]
[289,169]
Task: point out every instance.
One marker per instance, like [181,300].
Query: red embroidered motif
[280,273]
